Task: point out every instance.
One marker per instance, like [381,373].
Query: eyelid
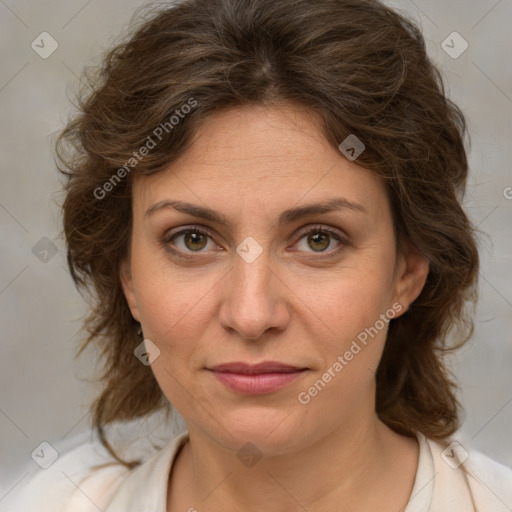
[333,232]
[168,237]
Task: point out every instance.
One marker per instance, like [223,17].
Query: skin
[300,302]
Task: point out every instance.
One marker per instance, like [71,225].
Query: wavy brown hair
[363,68]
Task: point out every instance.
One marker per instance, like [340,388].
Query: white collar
[133,495]
[438,487]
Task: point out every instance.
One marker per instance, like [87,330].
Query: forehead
[261,157]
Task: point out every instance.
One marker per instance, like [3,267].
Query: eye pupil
[319,238]
[194,238]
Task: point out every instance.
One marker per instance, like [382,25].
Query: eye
[193,239]
[319,239]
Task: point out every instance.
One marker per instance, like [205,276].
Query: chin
[271,431]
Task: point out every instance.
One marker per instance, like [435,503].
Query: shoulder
[76,476]
[490,480]
[465,475]
[84,477]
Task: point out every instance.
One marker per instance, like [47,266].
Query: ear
[410,276]
[125,276]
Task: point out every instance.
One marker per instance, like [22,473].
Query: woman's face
[259,287]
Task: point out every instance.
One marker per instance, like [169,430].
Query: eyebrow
[286,217]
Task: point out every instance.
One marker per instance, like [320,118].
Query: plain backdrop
[44,391]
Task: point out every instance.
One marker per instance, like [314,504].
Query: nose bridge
[252,267]
[252,303]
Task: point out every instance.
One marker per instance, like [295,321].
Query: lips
[261,378]
[252,369]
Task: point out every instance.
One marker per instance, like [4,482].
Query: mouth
[262,378]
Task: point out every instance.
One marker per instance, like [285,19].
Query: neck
[340,467]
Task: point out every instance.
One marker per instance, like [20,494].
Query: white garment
[72,485]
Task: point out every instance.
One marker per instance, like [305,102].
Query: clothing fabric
[74,483]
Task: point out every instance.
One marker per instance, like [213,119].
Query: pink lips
[261,378]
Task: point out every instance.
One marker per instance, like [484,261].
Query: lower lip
[256,384]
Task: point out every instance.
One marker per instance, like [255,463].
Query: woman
[264,198]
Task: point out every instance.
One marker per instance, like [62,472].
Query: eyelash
[166,239]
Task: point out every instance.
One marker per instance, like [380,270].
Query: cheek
[355,305]
[176,310]
[173,302]
[349,300]
[357,313]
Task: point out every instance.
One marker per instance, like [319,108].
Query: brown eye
[194,241]
[188,240]
[319,240]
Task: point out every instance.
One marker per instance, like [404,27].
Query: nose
[254,299]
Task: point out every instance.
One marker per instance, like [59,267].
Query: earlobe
[125,277]
[411,275]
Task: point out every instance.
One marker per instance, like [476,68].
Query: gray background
[44,392]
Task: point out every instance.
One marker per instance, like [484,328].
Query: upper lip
[252,369]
